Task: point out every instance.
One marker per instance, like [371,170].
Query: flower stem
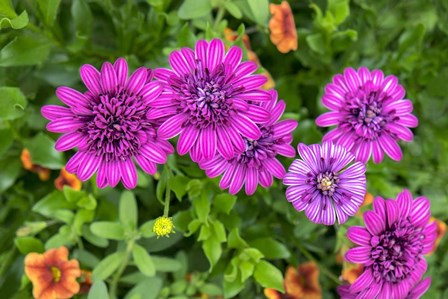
[219,16]
[124,263]
[324,269]
[166,210]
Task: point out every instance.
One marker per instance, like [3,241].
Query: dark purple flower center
[118,126]
[396,251]
[205,96]
[365,115]
[259,150]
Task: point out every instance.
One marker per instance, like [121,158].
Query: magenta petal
[236,138]
[146,165]
[284,127]
[225,147]
[178,63]
[286,150]
[52,112]
[108,78]
[153,153]
[251,180]
[327,213]
[172,126]
[215,53]
[121,69]
[404,201]
[420,213]
[358,255]
[239,177]
[374,224]
[101,178]
[255,95]
[420,289]
[251,82]
[186,139]
[363,281]
[88,166]
[227,177]
[392,212]
[275,167]
[265,178]
[351,79]
[113,173]
[201,51]
[359,235]
[378,154]
[328,119]
[64,125]
[151,91]
[246,127]
[68,141]
[196,153]
[243,70]
[163,74]
[332,102]
[137,80]
[91,78]
[73,98]
[408,121]
[72,164]
[257,114]
[207,139]
[364,74]
[391,147]
[401,132]
[276,113]
[233,58]
[128,174]
[364,151]
[379,206]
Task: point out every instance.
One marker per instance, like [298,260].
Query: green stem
[124,263]
[166,209]
[324,269]
[219,16]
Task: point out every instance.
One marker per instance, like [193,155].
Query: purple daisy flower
[415,293]
[370,113]
[110,124]
[210,97]
[397,234]
[257,163]
[322,183]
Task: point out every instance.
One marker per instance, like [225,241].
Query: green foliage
[223,245]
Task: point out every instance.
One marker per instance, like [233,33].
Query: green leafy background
[230,246]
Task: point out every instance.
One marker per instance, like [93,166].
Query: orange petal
[272,294]
[56,256]
[66,288]
[47,293]
[25,157]
[42,284]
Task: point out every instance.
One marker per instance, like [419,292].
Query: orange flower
[66,178]
[42,172]
[53,276]
[368,200]
[282,27]
[441,230]
[301,283]
[86,282]
[351,272]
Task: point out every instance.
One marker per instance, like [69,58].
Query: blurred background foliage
[224,246]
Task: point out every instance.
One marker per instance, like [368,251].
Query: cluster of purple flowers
[230,126]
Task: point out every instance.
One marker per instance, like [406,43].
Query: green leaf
[87,202]
[143,260]
[162,184]
[246,269]
[64,237]
[98,291]
[202,207]
[29,244]
[18,22]
[340,9]
[224,202]
[260,11]
[55,206]
[178,184]
[12,103]
[6,8]
[108,266]
[71,195]
[128,210]
[42,152]
[233,9]
[268,276]
[49,10]
[164,264]
[9,172]
[146,229]
[218,230]
[192,9]
[108,230]
[7,138]
[212,249]
[25,50]
[92,238]
[232,288]
[146,289]
[211,289]
[81,217]
[186,38]
[316,42]
[235,241]
[271,248]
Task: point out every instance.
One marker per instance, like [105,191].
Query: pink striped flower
[110,124]
[257,164]
[212,99]
[369,112]
[397,234]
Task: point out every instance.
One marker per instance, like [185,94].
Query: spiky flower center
[259,150]
[205,96]
[365,111]
[396,252]
[163,227]
[56,272]
[118,126]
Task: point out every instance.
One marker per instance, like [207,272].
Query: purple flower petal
[128,173]
[233,58]
[374,224]
[172,127]
[151,91]
[121,69]
[215,53]
[68,141]
[87,167]
[275,168]
[251,181]
[224,146]
[186,139]
[391,147]
[420,213]
[91,78]
[146,165]
[64,125]
[108,78]
[74,99]
[208,141]
[246,127]
[136,80]
[359,235]
[358,255]
[52,112]
[257,114]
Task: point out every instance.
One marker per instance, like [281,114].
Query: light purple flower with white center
[257,164]
[109,124]
[415,293]
[325,184]
[211,97]
[397,234]
[370,114]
